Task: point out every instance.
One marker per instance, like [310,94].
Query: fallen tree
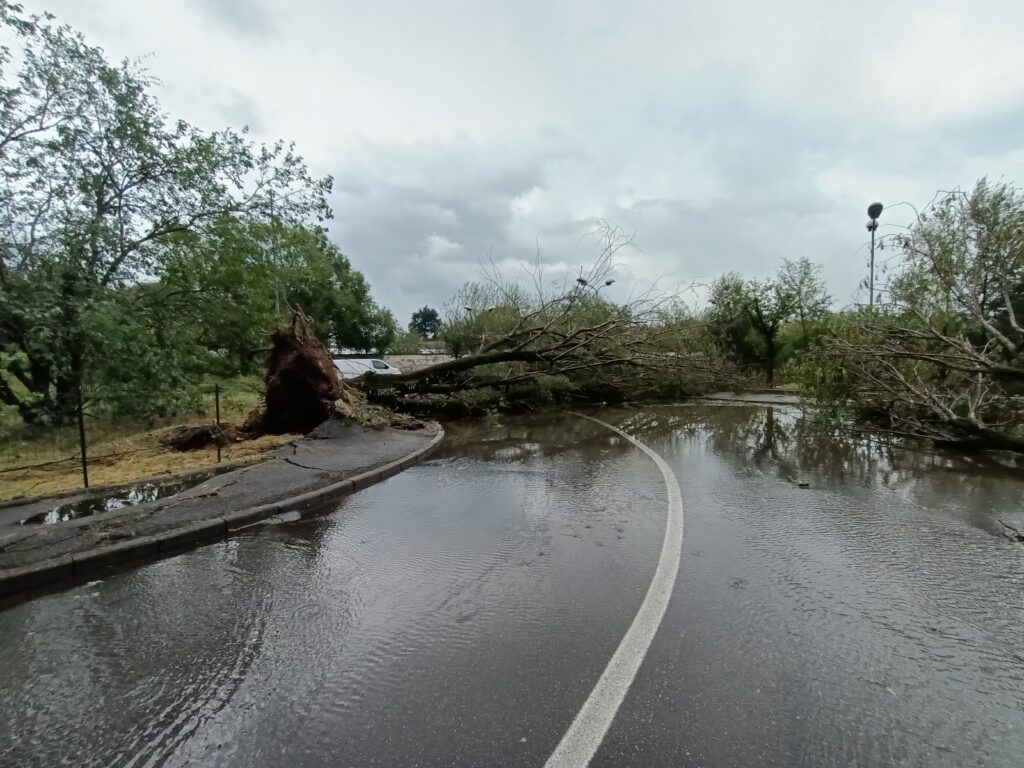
[941,357]
[514,348]
[569,341]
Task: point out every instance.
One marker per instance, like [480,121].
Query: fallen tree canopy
[569,342]
[941,355]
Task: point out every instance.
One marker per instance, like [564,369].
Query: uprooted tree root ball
[303,390]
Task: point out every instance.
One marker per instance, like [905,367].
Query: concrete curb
[78,566]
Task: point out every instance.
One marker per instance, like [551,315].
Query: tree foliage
[566,341]
[260,270]
[136,249]
[942,355]
[748,318]
[426,322]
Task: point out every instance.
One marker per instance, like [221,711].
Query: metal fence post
[216,397]
[81,438]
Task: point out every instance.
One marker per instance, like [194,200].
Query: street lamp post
[874,211]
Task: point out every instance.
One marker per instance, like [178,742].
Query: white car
[351,367]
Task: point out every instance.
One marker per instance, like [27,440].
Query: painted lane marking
[588,729]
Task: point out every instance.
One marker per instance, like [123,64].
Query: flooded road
[837,603]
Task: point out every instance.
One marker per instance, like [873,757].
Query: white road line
[588,729]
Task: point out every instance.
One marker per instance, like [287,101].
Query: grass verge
[148,460]
[42,462]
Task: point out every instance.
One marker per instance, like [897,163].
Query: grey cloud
[385,218]
[235,109]
[243,15]
[767,207]
[997,133]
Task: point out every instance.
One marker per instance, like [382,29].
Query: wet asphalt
[460,613]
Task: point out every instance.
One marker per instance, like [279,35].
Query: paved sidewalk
[307,474]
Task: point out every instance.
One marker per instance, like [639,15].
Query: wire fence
[106,427]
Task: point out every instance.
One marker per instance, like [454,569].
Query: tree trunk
[461,364]
[769,361]
[987,439]
[68,382]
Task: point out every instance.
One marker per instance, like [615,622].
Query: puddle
[126,497]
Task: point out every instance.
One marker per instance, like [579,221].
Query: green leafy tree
[748,317]
[729,322]
[95,184]
[802,280]
[426,322]
[125,327]
[379,330]
[261,270]
[406,343]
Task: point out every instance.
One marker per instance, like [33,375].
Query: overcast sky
[726,135]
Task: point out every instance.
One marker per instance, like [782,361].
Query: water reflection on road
[841,601]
